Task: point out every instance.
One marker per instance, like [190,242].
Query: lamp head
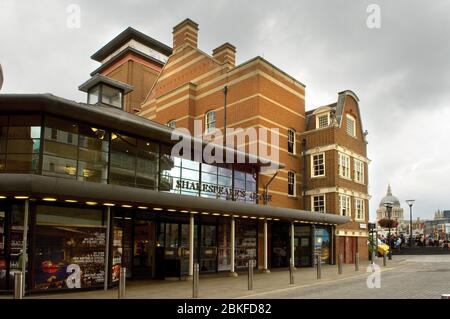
[410,202]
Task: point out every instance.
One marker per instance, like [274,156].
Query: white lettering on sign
[74,279]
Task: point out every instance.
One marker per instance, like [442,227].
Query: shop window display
[69,248]
[246,243]
[322,243]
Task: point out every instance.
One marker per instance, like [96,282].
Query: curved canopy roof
[42,186]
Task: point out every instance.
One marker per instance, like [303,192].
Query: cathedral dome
[390,198]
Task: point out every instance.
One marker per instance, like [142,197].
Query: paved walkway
[223,286]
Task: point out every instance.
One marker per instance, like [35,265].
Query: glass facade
[78,151]
[20,143]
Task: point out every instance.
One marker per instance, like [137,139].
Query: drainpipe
[305,186]
[225,93]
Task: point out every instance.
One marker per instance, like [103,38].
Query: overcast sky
[401,71]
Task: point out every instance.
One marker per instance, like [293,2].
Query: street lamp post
[410,202]
[388,206]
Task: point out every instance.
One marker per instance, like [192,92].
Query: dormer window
[323,116]
[323,120]
[104,90]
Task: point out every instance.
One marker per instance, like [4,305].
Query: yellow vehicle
[382,248]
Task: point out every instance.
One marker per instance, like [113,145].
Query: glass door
[303,246]
[208,248]
[143,248]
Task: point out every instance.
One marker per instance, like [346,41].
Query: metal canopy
[42,186]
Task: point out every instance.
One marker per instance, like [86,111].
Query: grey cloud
[400,72]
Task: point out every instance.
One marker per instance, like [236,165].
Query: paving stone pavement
[404,277]
[418,277]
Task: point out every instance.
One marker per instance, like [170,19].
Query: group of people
[427,240]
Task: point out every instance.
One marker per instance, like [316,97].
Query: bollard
[373,257]
[357,261]
[340,261]
[250,274]
[319,266]
[122,282]
[18,285]
[195,280]
[384,259]
[291,272]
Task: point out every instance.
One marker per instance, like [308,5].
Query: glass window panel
[93,171]
[111,96]
[225,171]
[61,125]
[89,155]
[93,94]
[209,178]
[209,168]
[19,146]
[189,164]
[61,150]
[239,184]
[189,174]
[24,132]
[225,181]
[2,162]
[58,166]
[3,145]
[239,175]
[22,162]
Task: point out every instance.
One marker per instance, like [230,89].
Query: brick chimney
[185,32]
[226,54]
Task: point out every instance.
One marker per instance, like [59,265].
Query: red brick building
[323,150]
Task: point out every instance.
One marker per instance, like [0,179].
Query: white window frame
[318,116]
[313,203]
[344,171]
[358,171]
[292,179]
[345,204]
[353,127]
[172,124]
[291,133]
[313,165]
[210,124]
[360,211]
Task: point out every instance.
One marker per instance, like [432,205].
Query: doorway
[143,249]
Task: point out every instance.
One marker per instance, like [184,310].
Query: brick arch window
[210,121]
[291,141]
[291,183]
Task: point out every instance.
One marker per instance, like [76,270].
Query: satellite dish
[1,77]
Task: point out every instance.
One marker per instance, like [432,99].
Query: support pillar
[108,236]
[191,246]
[24,245]
[233,273]
[266,268]
[292,259]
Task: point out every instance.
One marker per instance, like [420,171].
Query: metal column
[232,244]
[191,245]
[24,244]
[292,244]
[266,268]
[108,236]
